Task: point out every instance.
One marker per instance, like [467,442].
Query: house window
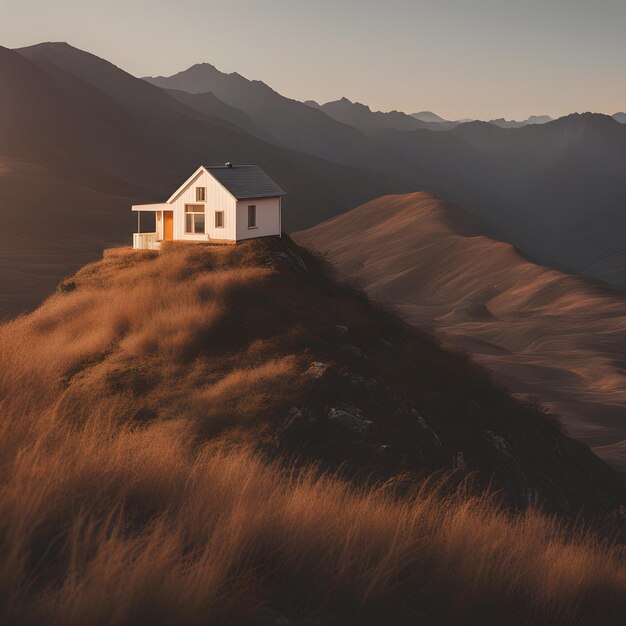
[194,218]
[252,216]
[219,219]
[200,194]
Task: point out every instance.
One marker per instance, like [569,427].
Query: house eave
[186,184]
[151,207]
[257,197]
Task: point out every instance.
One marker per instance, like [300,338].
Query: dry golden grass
[108,524]
[110,519]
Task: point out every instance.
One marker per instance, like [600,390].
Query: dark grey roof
[245,181]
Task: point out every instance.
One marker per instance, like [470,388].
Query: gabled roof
[241,181]
[245,181]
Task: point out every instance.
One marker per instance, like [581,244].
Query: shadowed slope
[543,332]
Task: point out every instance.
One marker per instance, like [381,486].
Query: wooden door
[168,225]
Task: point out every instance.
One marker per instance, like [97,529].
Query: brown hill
[541,331]
[159,415]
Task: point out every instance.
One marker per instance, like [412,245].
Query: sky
[479,59]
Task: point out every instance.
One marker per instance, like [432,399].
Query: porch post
[138,222]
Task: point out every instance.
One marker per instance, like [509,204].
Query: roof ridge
[245,181]
[231,166]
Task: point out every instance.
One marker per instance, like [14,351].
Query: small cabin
[217,203]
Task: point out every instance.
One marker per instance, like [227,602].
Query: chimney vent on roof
[228,164]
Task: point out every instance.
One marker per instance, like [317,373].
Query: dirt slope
[543,332]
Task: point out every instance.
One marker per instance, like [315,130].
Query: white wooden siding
[267,218]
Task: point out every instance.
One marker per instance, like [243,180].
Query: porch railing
[146,241]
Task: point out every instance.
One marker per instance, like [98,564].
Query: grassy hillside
[194,437]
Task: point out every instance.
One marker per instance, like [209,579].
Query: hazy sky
[459,58]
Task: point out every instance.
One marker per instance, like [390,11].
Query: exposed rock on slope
[543,332]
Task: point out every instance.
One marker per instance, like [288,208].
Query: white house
[223,203]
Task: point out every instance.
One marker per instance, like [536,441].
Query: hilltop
[200,435]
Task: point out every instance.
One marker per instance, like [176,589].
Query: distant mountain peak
[202,66]
[428,116]
[533,119]
[349,103]
[587,118]
[539,119]
[203,77]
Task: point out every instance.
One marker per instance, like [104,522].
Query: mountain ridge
[542,332]
[362,117]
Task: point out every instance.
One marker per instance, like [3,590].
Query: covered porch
[163,226]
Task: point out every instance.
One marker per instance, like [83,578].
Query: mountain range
[104,139]
[362,117]
[533,119]
[552,188]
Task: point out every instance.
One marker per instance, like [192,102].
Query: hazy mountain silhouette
[544,333]
[82,140]
[620,117]
[289,122]
[210,104]
[429,116]
[533,119]
[362,117]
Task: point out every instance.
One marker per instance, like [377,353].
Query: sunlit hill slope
[543,332]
